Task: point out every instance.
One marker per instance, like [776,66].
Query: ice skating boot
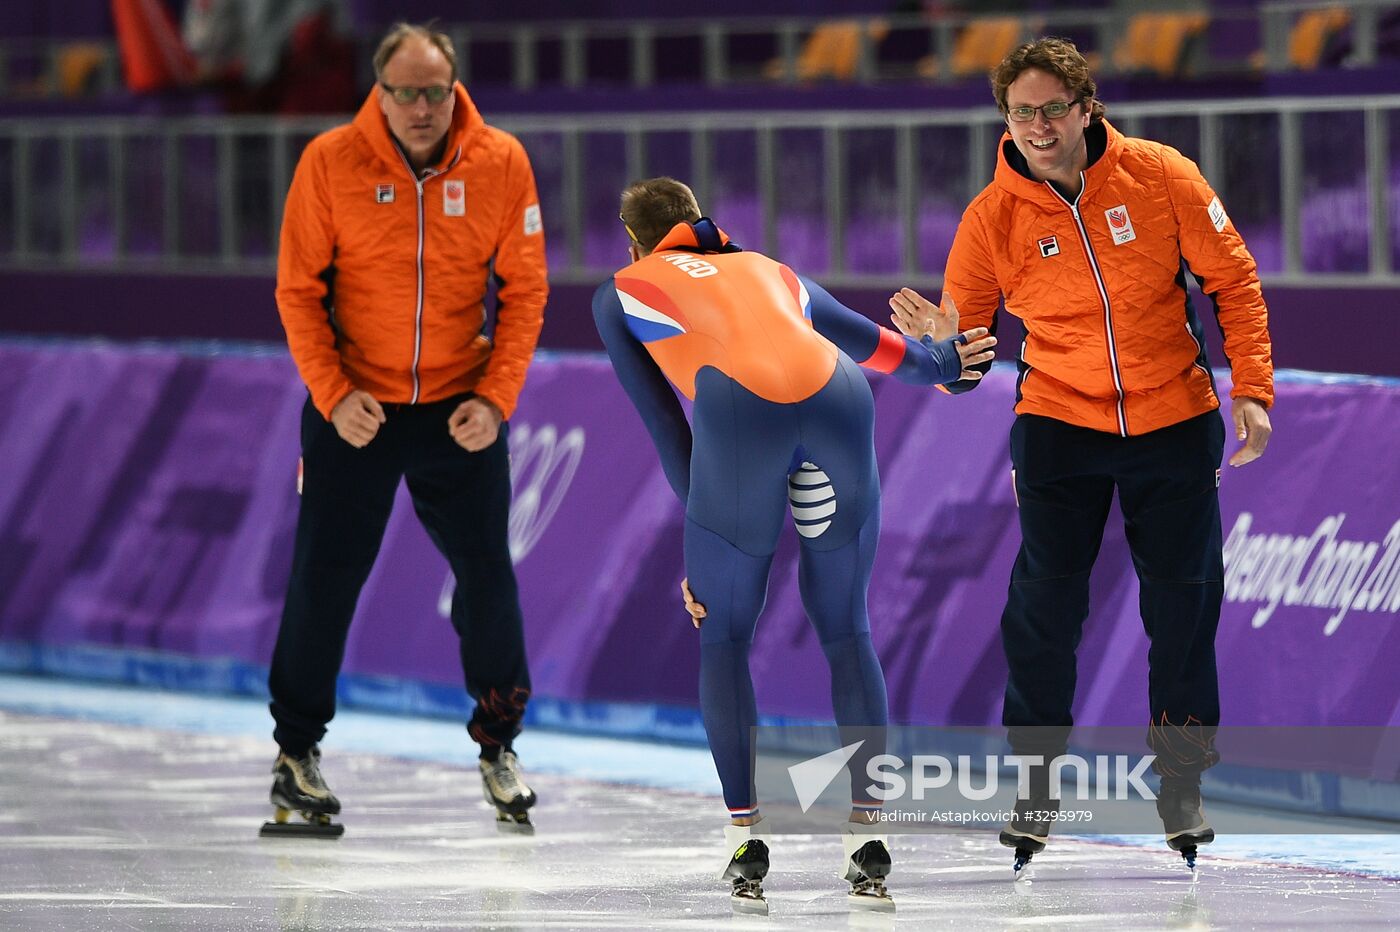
[505,789]
[1028,831]
[748,865]
[867,866]
[297,786]
[1179,805]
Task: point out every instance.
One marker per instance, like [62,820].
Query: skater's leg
[1062,505]
[732,585]
[833,585]
[1171,508]
[463,501]
[834,495]
[739,461]
[1063,493]
[347,495]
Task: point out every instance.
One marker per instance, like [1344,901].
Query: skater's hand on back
[357,418]
[697,611]
[475,424]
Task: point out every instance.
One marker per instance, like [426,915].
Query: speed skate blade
[870,902]
[749,905]
[508,825]
[301,830]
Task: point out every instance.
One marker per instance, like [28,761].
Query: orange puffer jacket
[1112,342]
[381,278]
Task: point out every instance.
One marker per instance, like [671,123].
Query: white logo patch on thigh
[813,500]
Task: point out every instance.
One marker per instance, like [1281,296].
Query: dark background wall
[1318,329]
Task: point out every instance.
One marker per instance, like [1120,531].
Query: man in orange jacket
[392,225]
[1088,236]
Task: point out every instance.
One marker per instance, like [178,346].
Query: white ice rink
[130,809]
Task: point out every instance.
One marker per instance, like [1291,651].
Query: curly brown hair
[1054,56]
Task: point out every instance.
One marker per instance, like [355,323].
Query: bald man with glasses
[393,225]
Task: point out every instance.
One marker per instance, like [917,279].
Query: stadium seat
[77,65]
[1158,43]
[831,51]
[980,46]
[1311,34]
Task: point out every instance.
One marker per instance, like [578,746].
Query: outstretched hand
[916,317]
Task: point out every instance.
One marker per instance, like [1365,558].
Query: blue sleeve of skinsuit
[648,388]
[924,362]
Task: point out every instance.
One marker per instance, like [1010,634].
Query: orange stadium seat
[980,46]
[831,51]
[77,65]
[1311,33]
[1308,39]
[1158,43]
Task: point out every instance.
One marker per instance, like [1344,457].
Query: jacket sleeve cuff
[1265,398]
[326,403]
[492,394]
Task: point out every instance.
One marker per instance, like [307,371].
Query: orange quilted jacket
[1112,342]
[381,277]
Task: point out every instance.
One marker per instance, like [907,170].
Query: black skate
[1028,831]
[505,789]
[747,868]
[867,866]
[1179,805]
[297,786]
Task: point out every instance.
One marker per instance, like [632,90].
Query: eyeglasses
[1054,110]
[630,235]
[435,94]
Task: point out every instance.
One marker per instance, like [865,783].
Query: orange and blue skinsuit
[782,418]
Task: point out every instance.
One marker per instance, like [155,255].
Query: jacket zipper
[418,309]
[418,304]
[1103,296]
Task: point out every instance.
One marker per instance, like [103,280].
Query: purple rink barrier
[148,503]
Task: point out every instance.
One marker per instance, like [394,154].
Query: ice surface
[122,808]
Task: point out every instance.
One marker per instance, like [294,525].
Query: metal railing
[854,198]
